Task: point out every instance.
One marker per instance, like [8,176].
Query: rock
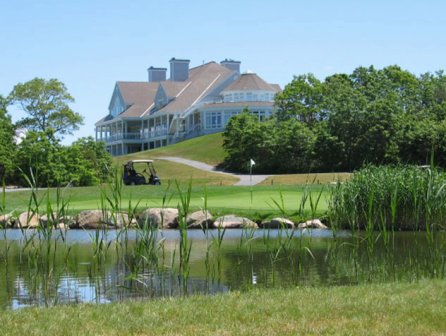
[27,220]
[312,224]
[121,220]
[94,219]
[57,223]
[278,223]
[200,220]
[233,222]
[5,221]
[167,218]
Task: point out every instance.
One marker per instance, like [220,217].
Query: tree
[301,99]
[7,144]
[40,154]
[46,103]
[87,162]
[241,140]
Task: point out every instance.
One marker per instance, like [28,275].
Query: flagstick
[250,179]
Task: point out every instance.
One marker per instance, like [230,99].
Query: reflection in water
[110,266]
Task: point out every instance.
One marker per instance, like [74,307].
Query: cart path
[245,180]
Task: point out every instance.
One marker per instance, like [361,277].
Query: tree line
[37,154]
[378,116]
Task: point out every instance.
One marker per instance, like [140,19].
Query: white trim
[150,107]
[183,89]
[206,90]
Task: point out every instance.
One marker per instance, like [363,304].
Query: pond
[45,268]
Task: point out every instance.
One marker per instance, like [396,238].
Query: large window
[213,120]
[261,115]
[228,115]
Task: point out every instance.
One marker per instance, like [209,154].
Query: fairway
[220,199]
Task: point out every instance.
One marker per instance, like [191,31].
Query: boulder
[200,220]
[166,218]
[27,220]
[233,222]
[61,222]
[312,224]
[121,220]
[278,223]
[94,219]
[5,221]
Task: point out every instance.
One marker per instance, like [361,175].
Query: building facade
[191,103]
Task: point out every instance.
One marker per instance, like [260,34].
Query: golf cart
[132,177]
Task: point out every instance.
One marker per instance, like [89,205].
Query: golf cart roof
[141,161]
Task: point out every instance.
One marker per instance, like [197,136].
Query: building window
[228,98]
[260,114]
[249,96]
[213,120]
[228,115]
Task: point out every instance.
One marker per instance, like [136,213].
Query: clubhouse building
[192,102]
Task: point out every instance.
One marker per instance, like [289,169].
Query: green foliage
[7,144]
[87,162]
[385,116]
[84,163]
[301,98]
[268,143]
[46,103]
[40,154]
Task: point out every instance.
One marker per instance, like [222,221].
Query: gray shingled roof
[250,81]
[138,94]
[202,80]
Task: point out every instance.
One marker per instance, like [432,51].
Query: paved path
[244,179]
[9,189]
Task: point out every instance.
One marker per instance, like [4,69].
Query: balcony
[122,136]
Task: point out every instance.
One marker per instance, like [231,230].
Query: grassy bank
[207,149]
[386,309]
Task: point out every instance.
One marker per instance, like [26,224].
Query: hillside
[207,149]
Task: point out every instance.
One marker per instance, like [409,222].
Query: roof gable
[250,82]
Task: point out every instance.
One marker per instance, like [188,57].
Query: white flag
[252,162]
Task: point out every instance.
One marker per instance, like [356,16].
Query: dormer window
[117,108]
[159,101]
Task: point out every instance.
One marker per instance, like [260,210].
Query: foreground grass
[220,199]
[386,309]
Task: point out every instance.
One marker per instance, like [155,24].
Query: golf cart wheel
[132,183]
[157,183]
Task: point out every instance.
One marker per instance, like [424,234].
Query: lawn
[207,149]
[220,199]
[385,309]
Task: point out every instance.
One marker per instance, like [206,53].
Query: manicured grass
[220,199]
[302,179]
[386,309]
[173,171]
[207,149]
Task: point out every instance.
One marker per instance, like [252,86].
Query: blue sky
[89,45]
